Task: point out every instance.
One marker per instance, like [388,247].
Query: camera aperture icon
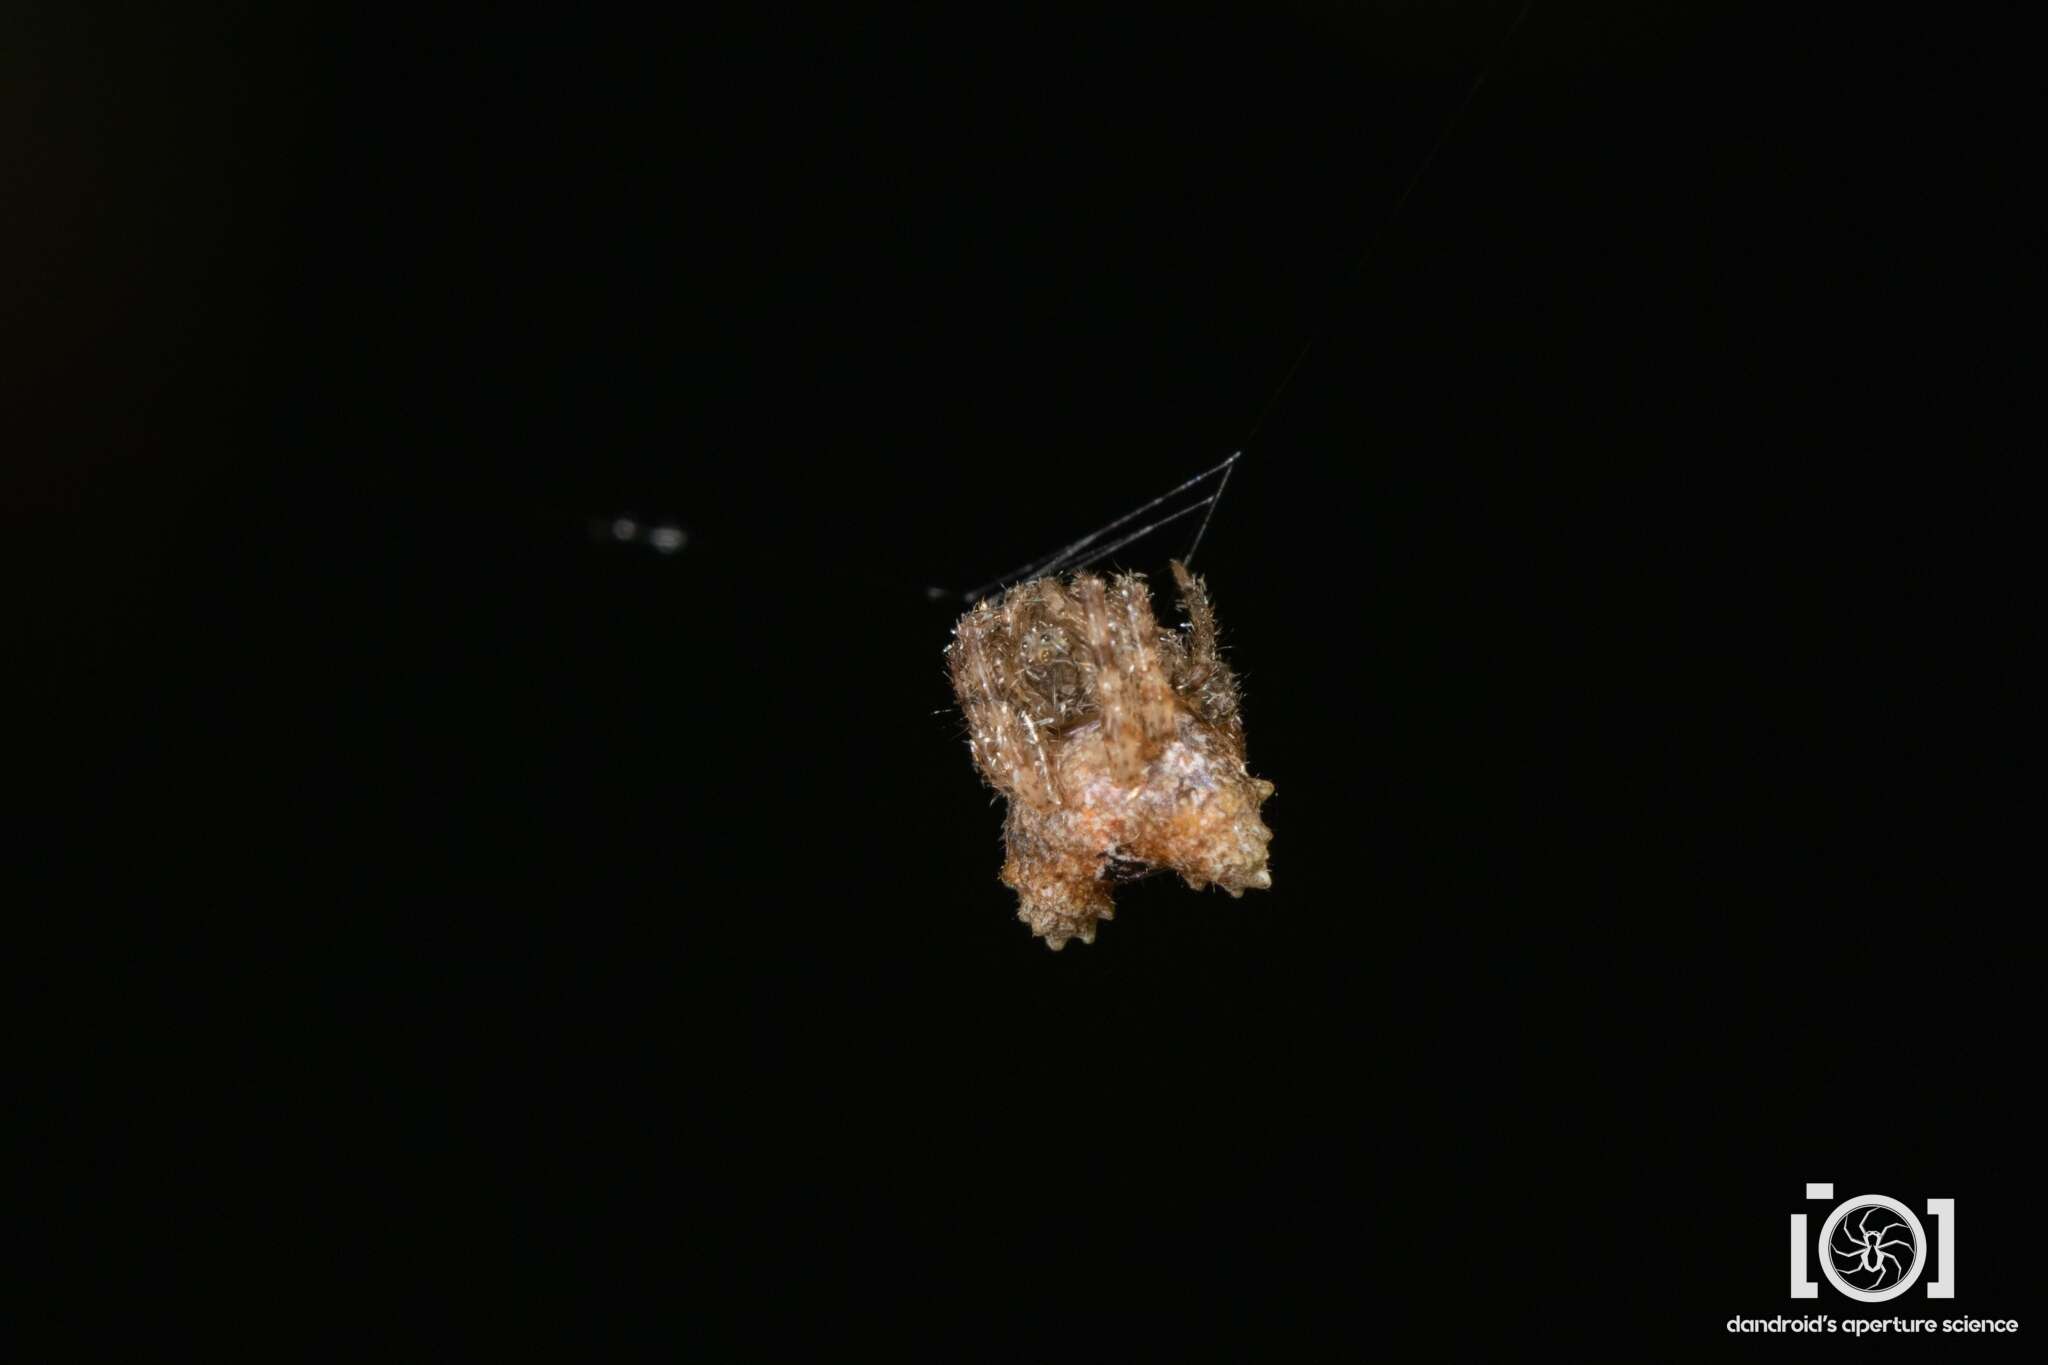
[1872,1247]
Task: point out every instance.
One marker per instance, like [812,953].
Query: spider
[1869,1253]
[1119,745]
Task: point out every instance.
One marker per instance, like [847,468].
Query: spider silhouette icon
[1870,1250]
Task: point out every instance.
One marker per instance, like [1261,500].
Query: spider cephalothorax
[1118,744]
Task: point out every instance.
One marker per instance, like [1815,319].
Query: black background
[1629,606]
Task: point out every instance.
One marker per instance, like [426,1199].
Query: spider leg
[1887,1256]
[1907,1245]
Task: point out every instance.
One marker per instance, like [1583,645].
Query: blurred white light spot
[667,539]
[624,529]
